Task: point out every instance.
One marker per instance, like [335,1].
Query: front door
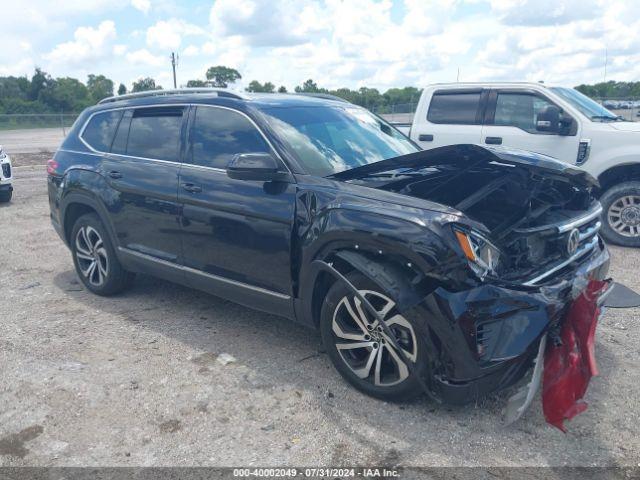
[236,234]
[511,122]
[142,173]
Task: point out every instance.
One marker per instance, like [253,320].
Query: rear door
[236,233]
[510,121]
[142,173]
[453,116]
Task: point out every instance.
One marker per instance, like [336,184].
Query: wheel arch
[618,174]
[76,204]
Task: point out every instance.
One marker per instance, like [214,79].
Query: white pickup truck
[6,189]
[556,121]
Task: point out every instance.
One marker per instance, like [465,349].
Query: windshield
[588,107]
[332,139]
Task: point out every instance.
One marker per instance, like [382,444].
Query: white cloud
[191,51]
[89,44]
[146,58]
[143,5]
[167,34]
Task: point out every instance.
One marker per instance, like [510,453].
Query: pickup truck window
[519,110]
[458,108]
[328,140]
[219,134]
[585,105]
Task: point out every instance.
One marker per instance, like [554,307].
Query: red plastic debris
[569,367]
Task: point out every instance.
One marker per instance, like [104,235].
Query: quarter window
[155,133]
[519,110]
[100,130]
[218,134]
[459,108]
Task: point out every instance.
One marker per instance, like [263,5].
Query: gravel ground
[137,379]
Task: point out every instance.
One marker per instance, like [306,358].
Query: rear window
[454,108]
[100,130]
[155,133]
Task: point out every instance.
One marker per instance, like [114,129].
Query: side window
[459,108]
[120,141]
[100,130]
[219,134]
[155,133]
[519,110]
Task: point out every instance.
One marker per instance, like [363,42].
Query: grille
[6,170]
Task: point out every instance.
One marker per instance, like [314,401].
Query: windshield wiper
[607,117]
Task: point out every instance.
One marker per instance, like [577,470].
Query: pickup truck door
[236,234]
[510,120]
[450,117]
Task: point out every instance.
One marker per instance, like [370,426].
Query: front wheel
[359,348]
[6,196]
[621,214]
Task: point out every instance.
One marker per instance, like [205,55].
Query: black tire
[90,242]
[404,389]
[621,228]
[6,196]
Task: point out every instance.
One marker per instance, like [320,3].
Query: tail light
[52,167]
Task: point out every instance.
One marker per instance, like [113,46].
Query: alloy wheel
[363,345]
[93,260]
[624,216]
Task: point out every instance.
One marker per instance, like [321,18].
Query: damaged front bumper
[487,338]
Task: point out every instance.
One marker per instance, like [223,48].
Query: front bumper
[487,338]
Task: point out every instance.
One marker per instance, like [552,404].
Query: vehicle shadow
[282,354]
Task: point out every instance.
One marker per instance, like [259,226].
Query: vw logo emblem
[573,241]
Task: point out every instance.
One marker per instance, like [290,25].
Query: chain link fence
[22,121]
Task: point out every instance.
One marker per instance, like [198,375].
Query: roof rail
[176,91]
[326,96]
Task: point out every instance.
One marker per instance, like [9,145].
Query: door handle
[425,137]
[191,187]
[115,174]
[493,140]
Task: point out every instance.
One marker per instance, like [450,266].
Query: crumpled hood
[541,164]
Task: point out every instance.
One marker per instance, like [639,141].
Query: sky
[337,43]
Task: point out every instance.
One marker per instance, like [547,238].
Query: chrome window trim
[132,107]
[205,274]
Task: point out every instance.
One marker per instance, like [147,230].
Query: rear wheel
[95,258]
[621,214]
[359,348]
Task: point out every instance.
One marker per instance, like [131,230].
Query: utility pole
[174,60]
[606,59]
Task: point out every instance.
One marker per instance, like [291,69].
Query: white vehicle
[6,188]
[555,121]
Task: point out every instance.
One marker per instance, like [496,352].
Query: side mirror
[548,119]
[261,167]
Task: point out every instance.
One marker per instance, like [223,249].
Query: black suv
[437,271]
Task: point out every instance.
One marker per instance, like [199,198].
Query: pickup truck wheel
[621,214]
[360,350]
[5,196]
[95,258]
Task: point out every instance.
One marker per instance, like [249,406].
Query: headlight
[482,255]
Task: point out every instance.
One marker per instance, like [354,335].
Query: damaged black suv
[438,271]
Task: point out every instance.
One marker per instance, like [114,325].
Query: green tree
[221,76]
[99,87]
[39,81]
[122,89]
[282,89]
[145,84]
[66,95]
[256,86]
[196,83]
[309,86]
